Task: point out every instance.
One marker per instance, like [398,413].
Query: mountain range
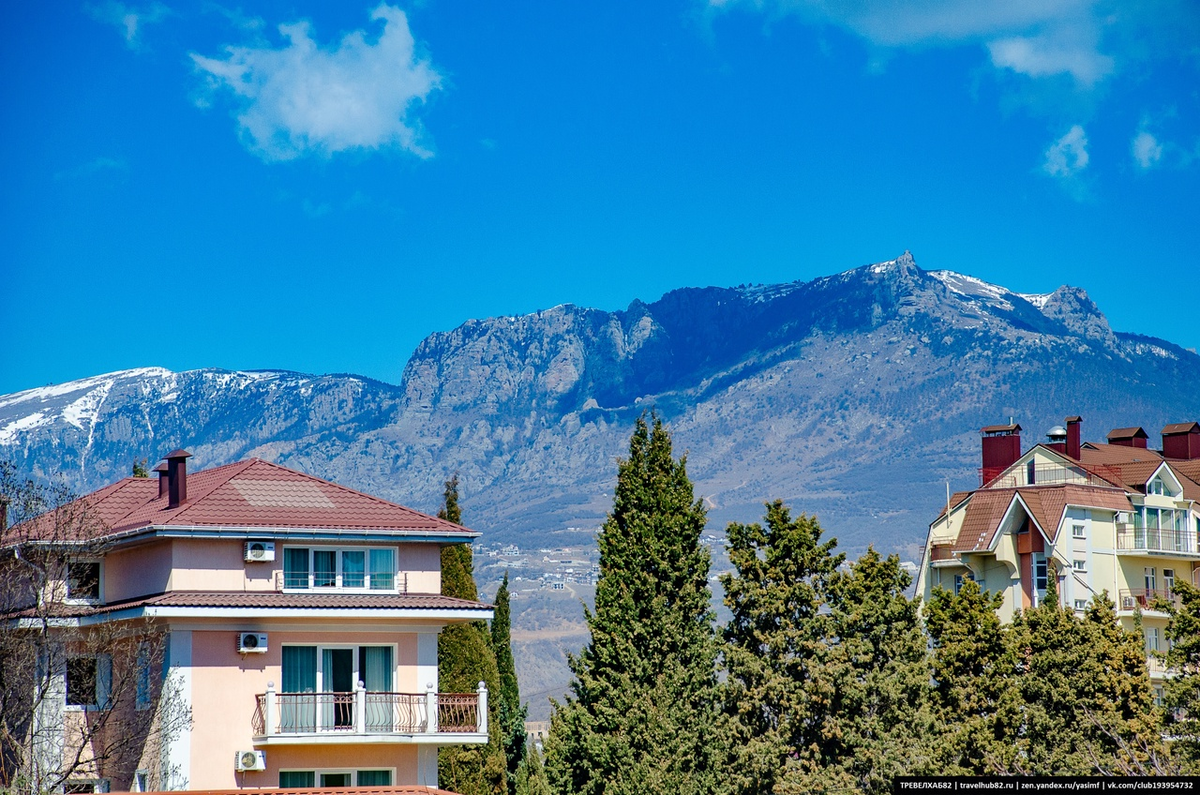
[855,396]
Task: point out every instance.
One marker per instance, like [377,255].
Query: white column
[177,757]
[360,709]
[482,715]
[431,709]
[269,710]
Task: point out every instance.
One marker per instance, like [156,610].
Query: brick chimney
[177,477]
[163,478]
[1073,443]
[1181,440]
[1001,449]
[1128,437]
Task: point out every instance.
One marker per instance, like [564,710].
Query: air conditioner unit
[260,551]
[252,642]
[251,760]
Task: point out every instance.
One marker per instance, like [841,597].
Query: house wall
[202,564]
[226,685]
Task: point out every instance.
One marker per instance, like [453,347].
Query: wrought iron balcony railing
[362,712]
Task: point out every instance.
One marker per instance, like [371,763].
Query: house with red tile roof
[1115,517]
[299,623]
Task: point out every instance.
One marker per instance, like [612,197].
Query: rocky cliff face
[855,396]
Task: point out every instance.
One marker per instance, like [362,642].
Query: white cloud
[303,99]
[127,19]
[1067,156]
[1147,151]
[1034,38]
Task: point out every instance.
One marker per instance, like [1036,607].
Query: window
[1169,580]
[1151,639]
[142,685]
[1039,574]
[141,781]
[331,568]
[89,681]
[86,785]
[335,778]
[1079,565]
[959,581]
[83,580]
[1158,695]
[1159,487]
[1151,580]
[1081,604]
[1078,530]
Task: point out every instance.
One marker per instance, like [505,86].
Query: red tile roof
[251,494]
[275,600]
[1046,504]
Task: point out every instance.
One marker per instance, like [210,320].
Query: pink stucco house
[299,623]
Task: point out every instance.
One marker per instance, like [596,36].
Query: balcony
[1138,540]
[1146,599]
[943,555]
[363,716]
[1049,475]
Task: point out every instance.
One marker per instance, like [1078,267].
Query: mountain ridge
[854,395]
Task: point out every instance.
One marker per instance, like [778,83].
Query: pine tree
[508,699]
[971,681]
[777,698]
[465,659]
[1083,702]
[876,660]
[641,712]
[1182,696]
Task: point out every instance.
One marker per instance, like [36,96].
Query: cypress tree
[531,776]
[508,699]
[465,659]
[777,696]
[641,710]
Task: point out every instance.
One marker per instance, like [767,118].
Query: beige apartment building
[1115,516]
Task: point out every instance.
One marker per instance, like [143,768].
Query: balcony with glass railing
[364,716]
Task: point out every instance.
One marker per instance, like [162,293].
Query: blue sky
[318,186]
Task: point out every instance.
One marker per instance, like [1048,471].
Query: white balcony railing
[1147,539]
[362,712]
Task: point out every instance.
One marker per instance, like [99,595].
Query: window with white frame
[1081,604]
[1079,565]
[86,785]
[339,568]
[962,579]
[1040,573]
[1151,639]
[1169,580]
[1150,577]
[1078,530]
[141,781]
[1160,487]
[89,681]
[83,580]
[336,778]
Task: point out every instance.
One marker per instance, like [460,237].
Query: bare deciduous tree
[85,693]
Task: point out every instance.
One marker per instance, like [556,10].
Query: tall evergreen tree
[531,776]
[876,659]
[1182,696]
[777,697]
[970,676]
[641,712]
[508,699]
[465,659]
[1083,702]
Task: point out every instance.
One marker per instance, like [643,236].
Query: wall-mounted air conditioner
[252,642]
[260,551]
[251,760]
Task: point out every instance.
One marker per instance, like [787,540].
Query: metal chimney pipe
[163,478]
[177,477]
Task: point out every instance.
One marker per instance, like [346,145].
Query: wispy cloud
[303,99]
[1067,156]
[1147,151]
[98,165]
[1033,38]
[129,20]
